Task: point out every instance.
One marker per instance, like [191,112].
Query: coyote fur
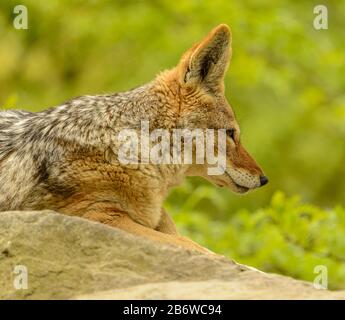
[65,158]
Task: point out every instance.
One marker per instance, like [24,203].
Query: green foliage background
[286,84]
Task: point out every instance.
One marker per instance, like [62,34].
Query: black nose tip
[263,180]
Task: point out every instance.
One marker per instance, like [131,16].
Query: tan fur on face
[205,106]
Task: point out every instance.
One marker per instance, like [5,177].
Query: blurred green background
[286,84]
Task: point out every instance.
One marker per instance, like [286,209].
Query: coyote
[65,158]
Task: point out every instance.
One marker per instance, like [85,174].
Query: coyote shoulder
[66,158]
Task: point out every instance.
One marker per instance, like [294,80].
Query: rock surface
[72,258]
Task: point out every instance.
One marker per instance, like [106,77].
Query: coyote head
[200,74]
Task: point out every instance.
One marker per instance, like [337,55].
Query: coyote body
[66,158]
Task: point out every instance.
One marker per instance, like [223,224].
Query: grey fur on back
[38,149]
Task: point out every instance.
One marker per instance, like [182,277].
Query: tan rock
[68,257]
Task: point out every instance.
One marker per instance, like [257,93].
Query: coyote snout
[242,170]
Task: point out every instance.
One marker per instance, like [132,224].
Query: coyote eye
[231,133]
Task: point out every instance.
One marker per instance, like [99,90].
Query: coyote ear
[207,62]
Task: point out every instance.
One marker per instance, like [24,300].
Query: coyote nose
[263,180]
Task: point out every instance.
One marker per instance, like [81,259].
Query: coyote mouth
[242,189]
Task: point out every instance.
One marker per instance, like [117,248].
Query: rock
[72,258]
